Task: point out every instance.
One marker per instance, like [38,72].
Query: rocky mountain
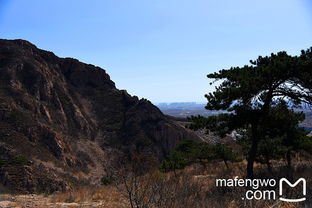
[62,121]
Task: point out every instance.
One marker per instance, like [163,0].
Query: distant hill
[186,109]
[307,123]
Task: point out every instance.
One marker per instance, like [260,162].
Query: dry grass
[108,195]
[193,187]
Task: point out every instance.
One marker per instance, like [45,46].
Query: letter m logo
[304,189]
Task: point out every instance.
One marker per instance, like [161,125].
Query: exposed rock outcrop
[62,120]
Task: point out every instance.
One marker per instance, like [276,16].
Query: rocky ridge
[62,121]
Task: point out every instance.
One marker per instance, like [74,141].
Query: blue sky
[161,50]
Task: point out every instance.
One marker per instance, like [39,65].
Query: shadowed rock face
[62,121]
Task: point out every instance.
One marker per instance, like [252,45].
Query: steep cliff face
[62,121]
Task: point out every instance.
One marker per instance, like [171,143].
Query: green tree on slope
[248,94]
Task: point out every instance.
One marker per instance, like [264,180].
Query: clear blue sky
[161,50]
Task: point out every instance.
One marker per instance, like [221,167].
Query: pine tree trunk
[254,133]
[252,153]
[289,166]
[251,159]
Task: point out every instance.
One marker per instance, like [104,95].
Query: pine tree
[249,93]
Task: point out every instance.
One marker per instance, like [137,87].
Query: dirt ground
[41,201]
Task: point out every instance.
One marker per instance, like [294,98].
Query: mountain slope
[62,121]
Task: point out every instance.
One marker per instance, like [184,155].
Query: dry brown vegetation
[106,196]
[192,187]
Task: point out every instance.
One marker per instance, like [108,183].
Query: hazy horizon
[161,50]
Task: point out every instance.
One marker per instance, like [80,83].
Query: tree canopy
[254,96]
